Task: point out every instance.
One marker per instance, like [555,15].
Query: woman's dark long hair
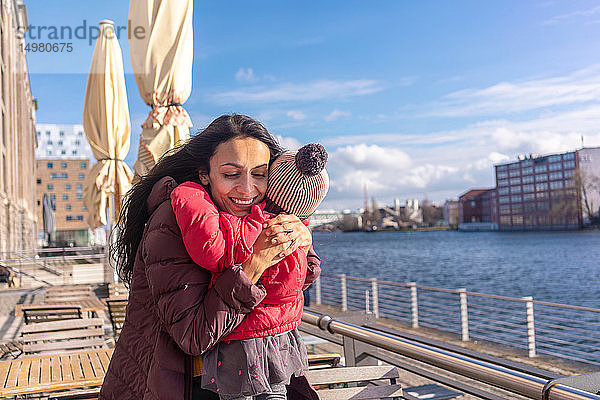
[182,164]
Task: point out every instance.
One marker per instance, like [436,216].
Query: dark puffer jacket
[172,315]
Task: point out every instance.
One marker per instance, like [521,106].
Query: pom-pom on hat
[298,181]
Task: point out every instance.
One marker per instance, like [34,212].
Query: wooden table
[48,373]
[89,305]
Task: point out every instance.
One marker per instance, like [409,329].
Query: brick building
[63,162]
[539,193]
[17,134]
[477,210]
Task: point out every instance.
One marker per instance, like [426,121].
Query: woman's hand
[287,228]
[281,236]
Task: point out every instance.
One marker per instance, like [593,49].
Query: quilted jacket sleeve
[314,268]
[195,316]
[204,232]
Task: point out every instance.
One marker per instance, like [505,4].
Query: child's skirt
[249,367]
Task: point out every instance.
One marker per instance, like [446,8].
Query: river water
[561,267]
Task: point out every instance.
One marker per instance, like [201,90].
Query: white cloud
[297,115]
[288,143]
[573,15]
[580,87]
[335,114]
[312,91]
[245,75]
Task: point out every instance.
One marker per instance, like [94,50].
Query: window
[38,181]
[67,207]
[527,171]
[541,186]
[541,195]
[515,173]
[529,208]
[517,220]
[61,133]
[472,203]
[569,156]
[504,199]
[80,133]
[541,178]
[569,164]
[556,185]
[83,165]
[568,174]
[555,175]
[63,165]
[79,187]
[81,176]
[50,186]
[48,152]
[502,191]
[83,207]
[68,186]
[77,143]
[74,152]
[59,175]
[542,206]
[503,182]
[554,158]
[528,197]
[516,208]
[515,199]
[526,163]
[65,197]
[515,181]
[60,142]
[79,196]
[505,209]
[542,220]
[528,179]
[47,133]
[515,189]
[505,220]
[501,167]
[541,168]
[514,166]
[49,143]
[50,165]
[528,188]
[39,133]
[555,167]
[501,175]
[63,152]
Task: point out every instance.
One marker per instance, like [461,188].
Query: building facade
[18,225]
[588,179]
[539,193]
[63,162]
[477,210]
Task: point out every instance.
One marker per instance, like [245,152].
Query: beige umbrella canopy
[161,49]
[107,127]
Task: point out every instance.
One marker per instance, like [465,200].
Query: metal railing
[536,327]
[525,384]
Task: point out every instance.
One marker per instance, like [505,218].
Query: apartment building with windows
[18,226]
[539,193]
[477,210]
[63,162]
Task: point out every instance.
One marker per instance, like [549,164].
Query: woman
[172,315]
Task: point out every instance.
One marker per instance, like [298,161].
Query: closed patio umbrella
[48,219]
[107,127]
[161,49]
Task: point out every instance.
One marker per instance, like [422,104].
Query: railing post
[464,314]
[367,302]
[375,296]
[530,326]
[344,292]
[318,291]
[414,305]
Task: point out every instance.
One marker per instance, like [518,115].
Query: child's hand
[288,229]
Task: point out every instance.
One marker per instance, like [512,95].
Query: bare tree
[589,186]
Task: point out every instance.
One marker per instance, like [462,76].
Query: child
[265,350]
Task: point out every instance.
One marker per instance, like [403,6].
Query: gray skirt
[249,367]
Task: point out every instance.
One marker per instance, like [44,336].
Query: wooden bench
[116,312]
[332,383]
[12,349]
[117,290]
[324,359]
[68,293]
[36,313]
[61,336]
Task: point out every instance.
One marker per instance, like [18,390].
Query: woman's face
[238,175]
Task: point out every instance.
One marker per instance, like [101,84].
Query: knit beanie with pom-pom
[298,181]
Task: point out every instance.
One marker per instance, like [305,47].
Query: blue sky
[417,99]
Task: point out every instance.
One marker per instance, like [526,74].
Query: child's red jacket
[216,240]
